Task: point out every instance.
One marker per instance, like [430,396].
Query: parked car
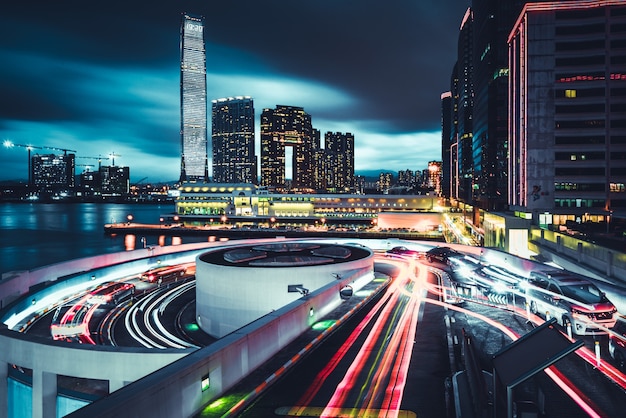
[401,250]
[617,343]
[441,254]
[572,301]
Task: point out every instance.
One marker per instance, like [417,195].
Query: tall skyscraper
[465,108]
[193,105]
[283,127]
[446,143]
[232,137]
[493,21]
[339,151]
[567,110]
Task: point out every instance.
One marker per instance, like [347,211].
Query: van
[573,301]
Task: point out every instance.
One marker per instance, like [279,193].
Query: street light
[130,219]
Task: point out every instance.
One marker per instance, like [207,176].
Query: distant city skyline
[108,82]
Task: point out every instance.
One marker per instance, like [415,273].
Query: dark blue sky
[103,77]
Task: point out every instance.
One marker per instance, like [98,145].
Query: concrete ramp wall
[176,389]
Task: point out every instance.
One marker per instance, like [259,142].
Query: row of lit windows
[579,203]
[591,76]
[579,187]
[599,92]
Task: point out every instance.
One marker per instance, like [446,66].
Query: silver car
[573,301]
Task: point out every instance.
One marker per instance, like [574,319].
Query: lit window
[570,94]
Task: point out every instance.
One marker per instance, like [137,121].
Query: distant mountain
[374,173]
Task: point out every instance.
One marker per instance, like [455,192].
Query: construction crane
[99,158]
[113,155]
[10,144]
[65,150]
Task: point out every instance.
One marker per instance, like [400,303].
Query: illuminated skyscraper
[287,126]
[339,150]
[232,139]
[193,106]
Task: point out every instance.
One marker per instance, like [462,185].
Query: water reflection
[132,243]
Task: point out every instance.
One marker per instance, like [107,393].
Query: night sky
[103,77]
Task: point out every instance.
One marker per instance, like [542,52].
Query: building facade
[232,140]
[115,181]
[53,173]
[193,103]
[465,108]
[281,128]
[211,201]
[567,110]
[339,164]
[493,21]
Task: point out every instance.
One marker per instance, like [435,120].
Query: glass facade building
[232,140]
[193,128]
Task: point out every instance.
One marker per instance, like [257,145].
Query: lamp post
[129,218]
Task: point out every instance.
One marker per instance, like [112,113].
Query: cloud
[108,80]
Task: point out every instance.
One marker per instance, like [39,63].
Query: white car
[573,301]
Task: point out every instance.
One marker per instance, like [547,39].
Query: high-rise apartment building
[115,181]
[232,138]
[385,180]
[339,151]
[567,109]
[281,128]
[193,103]
[52,172]
[447,140]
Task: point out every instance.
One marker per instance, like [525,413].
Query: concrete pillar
[579,253]
[44,394]
[4,389]
[609,263]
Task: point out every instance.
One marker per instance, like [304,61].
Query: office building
[567,111]
[492,23]
[232,140]
[464,108]
[193,104]
[287,128]
[446,143]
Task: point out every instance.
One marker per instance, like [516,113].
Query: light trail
[384,381]
[148,310]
